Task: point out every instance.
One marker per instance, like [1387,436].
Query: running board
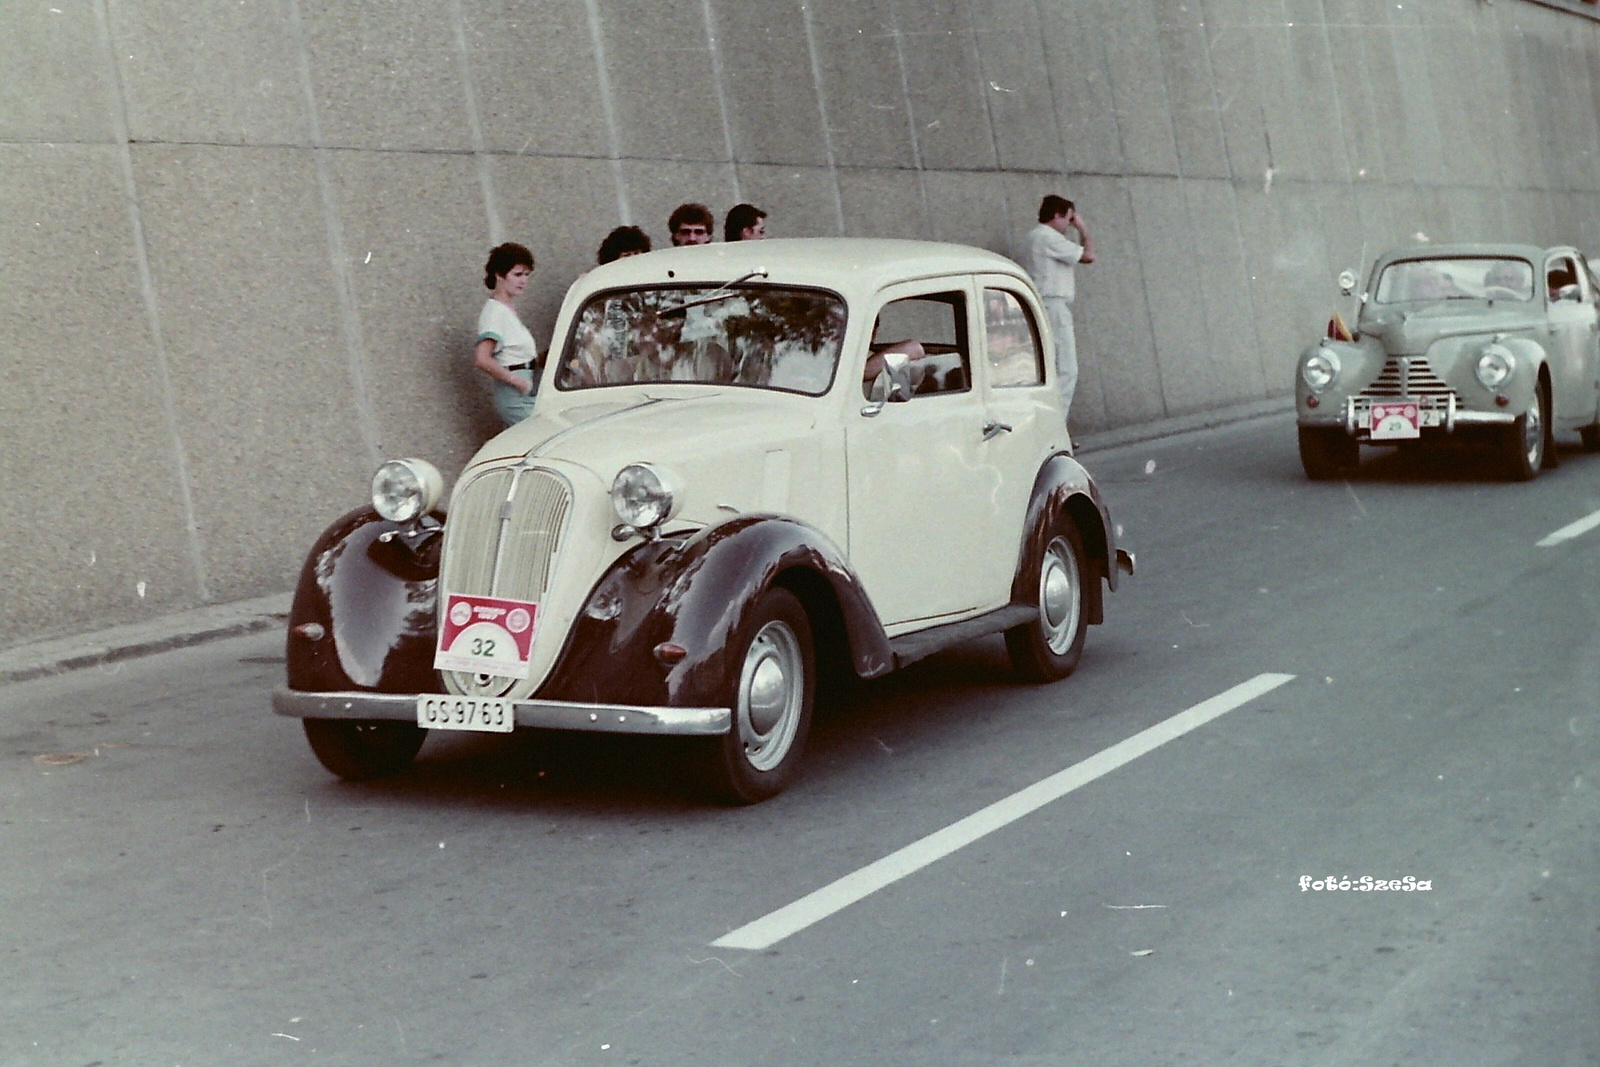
[914,646]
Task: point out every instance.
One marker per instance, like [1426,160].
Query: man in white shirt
[1050,257]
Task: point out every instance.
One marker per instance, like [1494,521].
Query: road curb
[185,628]
[179,630]
[1201,420]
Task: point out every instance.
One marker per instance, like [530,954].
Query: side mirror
[1347,282]
[893,383]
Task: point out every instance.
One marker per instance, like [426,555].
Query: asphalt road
[196,890]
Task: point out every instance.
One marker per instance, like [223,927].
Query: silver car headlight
[645,496]
[1319,370]
[406,489]
[1495,364]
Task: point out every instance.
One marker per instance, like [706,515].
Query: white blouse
[513,344]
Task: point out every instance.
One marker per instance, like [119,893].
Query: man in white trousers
[1050,257]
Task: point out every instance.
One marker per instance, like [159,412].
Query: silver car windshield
[766,337]
[1464,278]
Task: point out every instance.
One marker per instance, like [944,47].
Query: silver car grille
[1408,376]
[502,537]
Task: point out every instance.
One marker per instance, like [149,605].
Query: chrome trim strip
[546,714]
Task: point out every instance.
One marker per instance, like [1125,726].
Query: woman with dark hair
[505,350]
[621,242]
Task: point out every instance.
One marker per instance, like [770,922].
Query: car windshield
[1463,278]
[767,337]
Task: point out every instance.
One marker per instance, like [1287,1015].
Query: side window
[1015,357]
[932,331]
[1562,277]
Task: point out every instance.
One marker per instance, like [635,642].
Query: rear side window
[1012,339]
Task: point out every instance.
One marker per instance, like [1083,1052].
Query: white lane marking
[814,907]
[1571,530]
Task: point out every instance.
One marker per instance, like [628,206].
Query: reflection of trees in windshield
[770,338]
[1466,278]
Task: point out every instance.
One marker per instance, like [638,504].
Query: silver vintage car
[1494,342]
[750,465]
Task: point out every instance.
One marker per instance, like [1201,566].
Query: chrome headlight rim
[646,495]
[1494,366]
[405,490]
[1320,370]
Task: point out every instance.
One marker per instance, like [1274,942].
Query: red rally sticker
[486,635]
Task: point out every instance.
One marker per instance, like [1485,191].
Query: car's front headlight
[644,495]
[1495,364]
[1319,370]
[406,489]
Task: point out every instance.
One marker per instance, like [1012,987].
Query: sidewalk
[247,616]
[143,638]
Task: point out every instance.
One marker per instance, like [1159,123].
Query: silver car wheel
[1533,430]
[771,694]
[1060,596]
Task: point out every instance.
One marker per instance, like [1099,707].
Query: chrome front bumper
[546,714]
[1445,413]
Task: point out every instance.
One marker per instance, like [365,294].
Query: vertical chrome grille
[1407,376]
[501,539]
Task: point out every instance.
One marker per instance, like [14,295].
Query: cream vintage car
[1496,342]
[750,465]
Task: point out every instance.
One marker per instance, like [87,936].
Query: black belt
[521,366]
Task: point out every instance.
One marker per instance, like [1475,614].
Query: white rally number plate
[1396,422]
[438,712]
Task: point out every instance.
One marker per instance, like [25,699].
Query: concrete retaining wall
[241,240]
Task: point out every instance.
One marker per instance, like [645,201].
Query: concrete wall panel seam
[1144,292]
[350,331]
[911,114]
[822,108]
[720,81]
[1050,87]
[152,308]
[608,108]
[491,203]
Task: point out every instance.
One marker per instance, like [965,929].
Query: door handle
[993,429]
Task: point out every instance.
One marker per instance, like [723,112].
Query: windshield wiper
[721,292]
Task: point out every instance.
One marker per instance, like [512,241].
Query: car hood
[708,438]
[1413,328]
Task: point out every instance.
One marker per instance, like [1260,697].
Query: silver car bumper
[1438,413]
[547,714]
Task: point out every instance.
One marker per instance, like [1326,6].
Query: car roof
[833,262]
[1432,251]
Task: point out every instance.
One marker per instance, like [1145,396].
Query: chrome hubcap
[1533,431]
[771,690]
[1060,596]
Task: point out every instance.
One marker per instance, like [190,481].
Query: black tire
[1591,437]
[1525,444]
[1328,452]
[357,751]
[771,691]
[1049,647]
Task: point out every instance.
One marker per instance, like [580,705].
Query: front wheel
[1327,452]
[360,750]
[1526,441]
[771,695]
[1049,646]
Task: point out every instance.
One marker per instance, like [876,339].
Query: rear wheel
[360,750]
[1591,437]
[1526,441]
[771,697]
[1049,646]
[1327,452]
